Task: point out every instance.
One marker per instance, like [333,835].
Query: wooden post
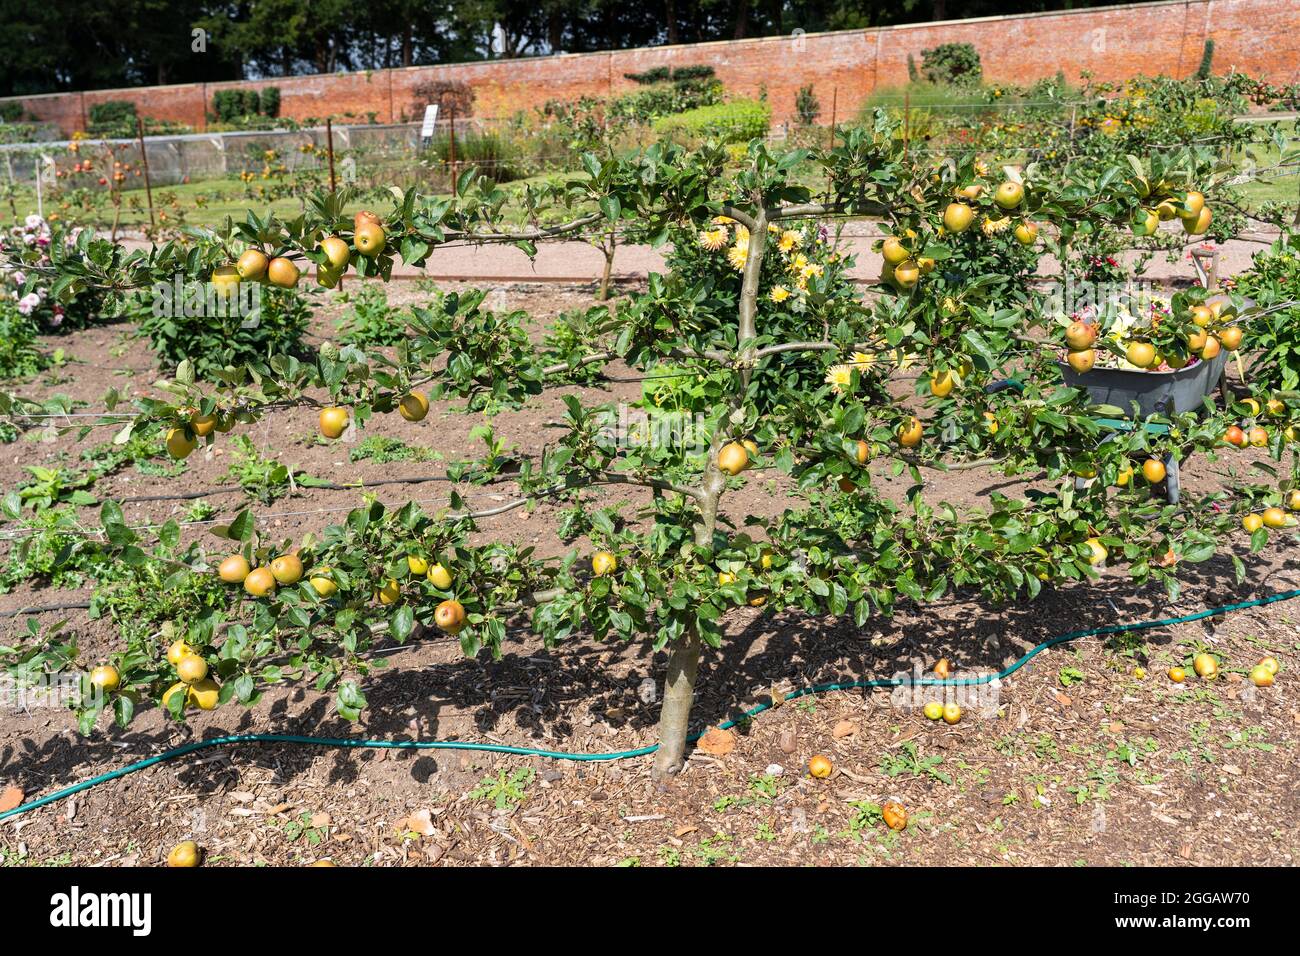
[835,97]
[907,119]
[144,162]
[451,113]
[329,146]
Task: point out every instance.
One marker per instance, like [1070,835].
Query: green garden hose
[360,742]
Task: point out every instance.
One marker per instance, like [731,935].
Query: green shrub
[11,112]
[271,101]
[1207,61]
[663,74]
[663,99]
[951,63]
[212,342]
[19,356]
[112,118]
[494,155]
[370,321]
[735,122]
[807,106]
[1274,340]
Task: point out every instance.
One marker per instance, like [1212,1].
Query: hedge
[732,122]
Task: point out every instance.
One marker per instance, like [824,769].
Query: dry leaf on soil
[717,742]
[845,728]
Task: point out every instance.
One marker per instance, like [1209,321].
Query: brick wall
[1260,37]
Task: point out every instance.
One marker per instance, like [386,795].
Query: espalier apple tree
[787,365]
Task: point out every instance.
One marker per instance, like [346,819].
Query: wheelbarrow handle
[1002,385]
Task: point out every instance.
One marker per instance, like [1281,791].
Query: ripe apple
[1080,335]
[370,239]
[1082,361]
[179,443]
[1235,436]
[225,279]
[260,582]
[958,217]
[1153,469]
[282,272]
[941,384]
[603,563]
[1141,354]
[287,569]
[333,421]
[907,274]
[1009,195]
[1199,225]
[450,616]
[910,432]
[414,406]
[233,570]
[1027,233]
[733,458]
[1230,337]
[336,252]
[439,577]
[1097,552]
[1274,518]
[894,251]
[252,265]
[1252,522]
[1205,666]
[107,678]
[1261,676]
[1193,203]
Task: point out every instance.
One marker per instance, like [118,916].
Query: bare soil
[1074,760]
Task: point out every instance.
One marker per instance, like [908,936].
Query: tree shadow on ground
[542,697]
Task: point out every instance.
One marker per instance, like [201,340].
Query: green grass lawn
[1275,187]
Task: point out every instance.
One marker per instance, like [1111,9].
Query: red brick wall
[1260,37]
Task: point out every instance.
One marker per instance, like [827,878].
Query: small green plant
[1068,676]
[908,760]
[263,478]
[383,450]
[505,790]
[51,486]
[301,829]
[716,849]
[670,856]
[866,816]
[19,356]
[370,321]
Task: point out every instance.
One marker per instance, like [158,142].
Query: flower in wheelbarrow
[713,239]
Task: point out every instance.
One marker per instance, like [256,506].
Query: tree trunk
[670,13]
[774,11]
[742,20]
[406,46]
[675,713]
[608,248]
